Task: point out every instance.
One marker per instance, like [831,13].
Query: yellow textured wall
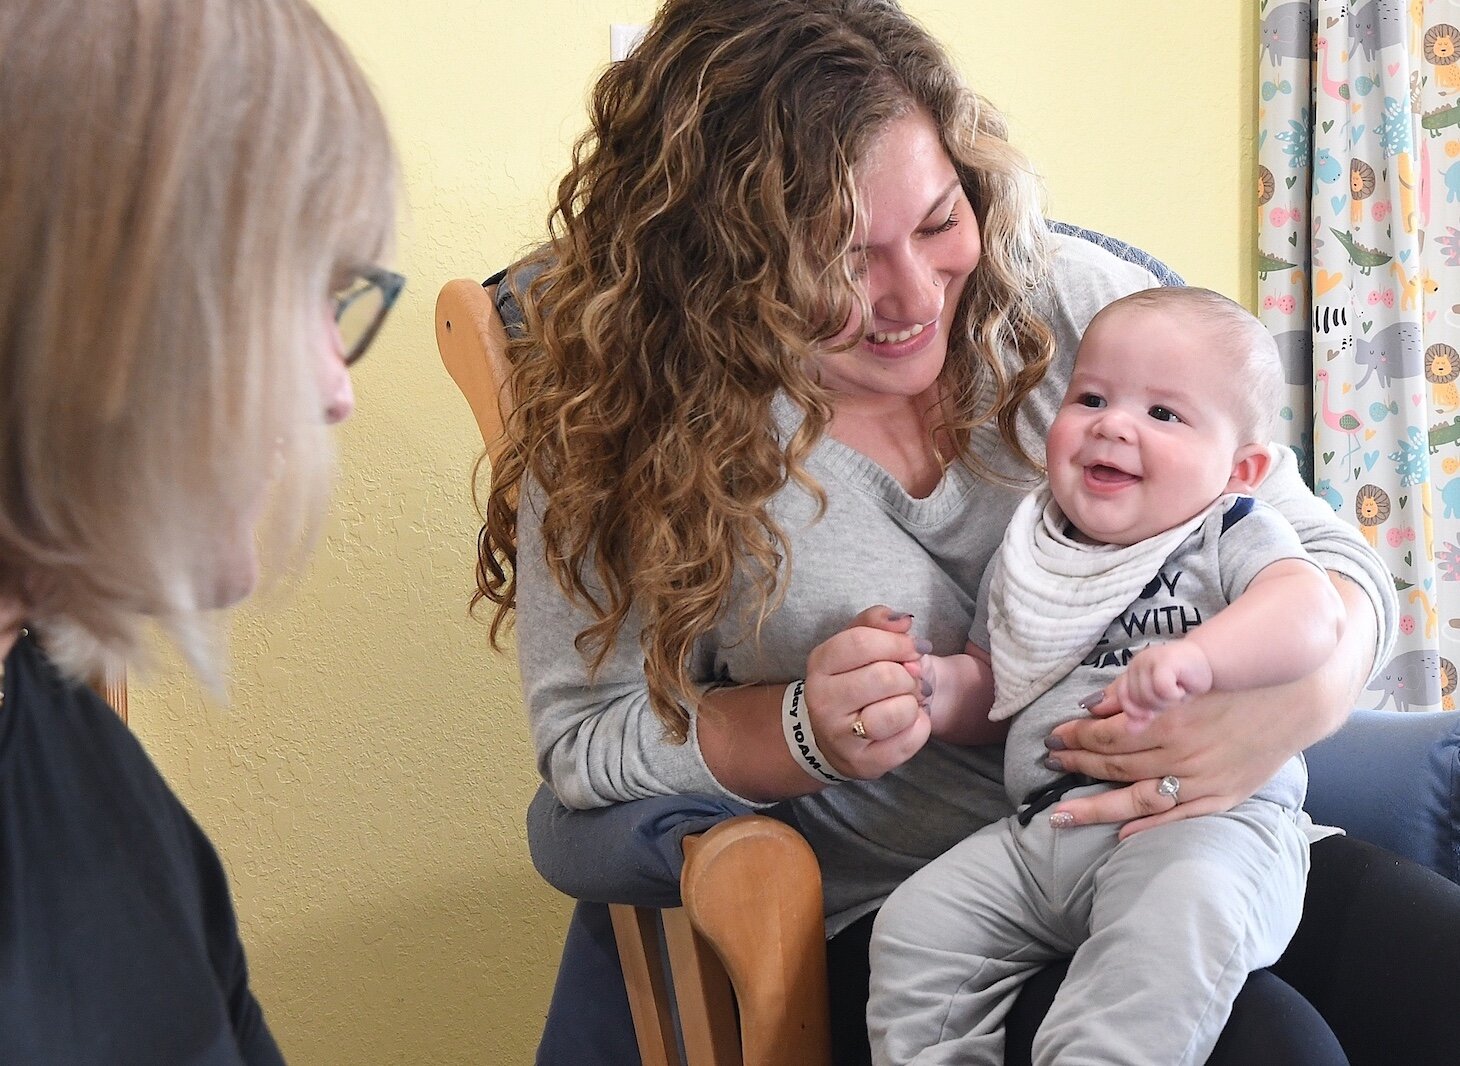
[366,786]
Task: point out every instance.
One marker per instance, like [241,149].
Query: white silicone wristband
[796,724]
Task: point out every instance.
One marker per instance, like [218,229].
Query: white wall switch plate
[623,38]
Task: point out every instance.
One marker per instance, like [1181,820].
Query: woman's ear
[1250,468]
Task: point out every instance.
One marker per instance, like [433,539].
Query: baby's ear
[1250,468]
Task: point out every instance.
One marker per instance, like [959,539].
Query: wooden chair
[746,954]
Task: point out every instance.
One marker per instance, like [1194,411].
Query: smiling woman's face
[916,243]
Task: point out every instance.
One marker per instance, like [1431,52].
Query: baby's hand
[957,692]
[1159,677]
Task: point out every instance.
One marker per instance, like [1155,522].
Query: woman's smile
[899,344]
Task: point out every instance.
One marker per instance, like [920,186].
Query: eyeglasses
[361,307]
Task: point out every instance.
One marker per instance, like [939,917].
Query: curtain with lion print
[1358,267]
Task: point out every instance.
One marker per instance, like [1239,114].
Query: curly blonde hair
[698,263]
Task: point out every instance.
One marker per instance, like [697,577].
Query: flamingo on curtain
[1340,421]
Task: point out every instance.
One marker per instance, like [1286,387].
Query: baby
[1140,575]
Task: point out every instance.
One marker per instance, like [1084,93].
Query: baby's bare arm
[1283,627]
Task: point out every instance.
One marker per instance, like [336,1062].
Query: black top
[118,943]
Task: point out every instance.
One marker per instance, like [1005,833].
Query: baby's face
[1147,436]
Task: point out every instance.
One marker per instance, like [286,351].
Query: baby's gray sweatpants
[1163,929]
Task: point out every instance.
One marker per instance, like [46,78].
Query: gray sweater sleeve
[1334,545]
[597,740]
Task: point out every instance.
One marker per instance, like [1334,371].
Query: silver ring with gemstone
[1170,786]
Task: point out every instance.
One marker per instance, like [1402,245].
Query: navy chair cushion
[1121,250]
[626,853]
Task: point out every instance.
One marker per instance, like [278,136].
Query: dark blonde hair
[182,181]
[1234,333]
[698,264]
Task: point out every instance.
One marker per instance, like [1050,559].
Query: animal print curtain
[1358,264]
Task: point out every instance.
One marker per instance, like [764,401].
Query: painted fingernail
[922,645]
[1086,702]
[927,687]
[1054,743]
[1061,820]
[897,616]
[1054,764]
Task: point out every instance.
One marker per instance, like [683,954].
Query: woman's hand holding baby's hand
[865,694]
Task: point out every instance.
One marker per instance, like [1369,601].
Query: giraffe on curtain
[1358,265]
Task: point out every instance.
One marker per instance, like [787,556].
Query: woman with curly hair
[792,351]
[192,197]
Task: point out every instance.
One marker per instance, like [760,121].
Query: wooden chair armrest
[749,942]
[752,889]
